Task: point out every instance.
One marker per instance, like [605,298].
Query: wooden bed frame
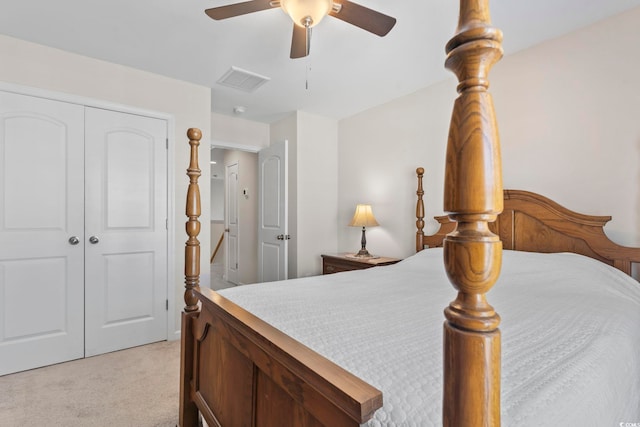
[533,223]
[236,370]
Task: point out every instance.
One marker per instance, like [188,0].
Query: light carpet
[137,387]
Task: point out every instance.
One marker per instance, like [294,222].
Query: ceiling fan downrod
[307,22]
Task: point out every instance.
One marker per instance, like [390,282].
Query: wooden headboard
[533,223]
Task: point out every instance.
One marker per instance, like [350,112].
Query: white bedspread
[570,335]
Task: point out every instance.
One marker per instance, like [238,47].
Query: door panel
[47,278]
[129,294]
[272,213]
[129,180]
[126,211]
[41,207]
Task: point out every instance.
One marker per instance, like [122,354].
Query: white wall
[236,132]
[217,200]
[34,65]
[378,153]
[317,191]
[569,122]
[567,113]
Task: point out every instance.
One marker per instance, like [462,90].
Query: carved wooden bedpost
[192,248]
[420,212]
[472,254]
[188,411]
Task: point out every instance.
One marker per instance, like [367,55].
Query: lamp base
[363,253]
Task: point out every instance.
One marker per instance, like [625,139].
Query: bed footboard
[243,372]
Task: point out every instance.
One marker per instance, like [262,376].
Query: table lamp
[363,218]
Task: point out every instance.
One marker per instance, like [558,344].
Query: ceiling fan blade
[300,42]
[363,17]
[237,9]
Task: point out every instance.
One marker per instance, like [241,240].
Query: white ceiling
[349,70]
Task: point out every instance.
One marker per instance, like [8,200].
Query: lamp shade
[363,217]
[300,10]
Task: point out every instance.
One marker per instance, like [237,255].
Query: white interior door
[126,230]
[273,237]
[232,252]
[41,232]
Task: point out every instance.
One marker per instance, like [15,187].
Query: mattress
[570,335]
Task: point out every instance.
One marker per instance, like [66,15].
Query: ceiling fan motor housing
[307,13]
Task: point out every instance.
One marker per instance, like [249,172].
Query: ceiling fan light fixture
[307,13]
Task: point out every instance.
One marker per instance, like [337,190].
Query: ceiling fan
[307,14]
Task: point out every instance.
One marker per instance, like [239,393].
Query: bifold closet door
[83,239]
[41,232]
[126,235]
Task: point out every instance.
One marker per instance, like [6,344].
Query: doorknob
[73,240]
[93,240]
[283,237]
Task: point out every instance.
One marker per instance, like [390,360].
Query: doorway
[262,197]
[235,263]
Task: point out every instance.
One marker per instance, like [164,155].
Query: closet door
[126,235]
[41,232]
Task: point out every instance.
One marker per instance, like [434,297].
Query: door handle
[283,237]
[93,240]
[73,240]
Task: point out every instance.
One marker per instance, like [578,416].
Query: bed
[570,345]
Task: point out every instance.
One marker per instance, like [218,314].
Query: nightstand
[347,262]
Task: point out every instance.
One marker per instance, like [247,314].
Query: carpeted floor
[138,387]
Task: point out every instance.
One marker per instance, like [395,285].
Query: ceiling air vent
[244,80]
